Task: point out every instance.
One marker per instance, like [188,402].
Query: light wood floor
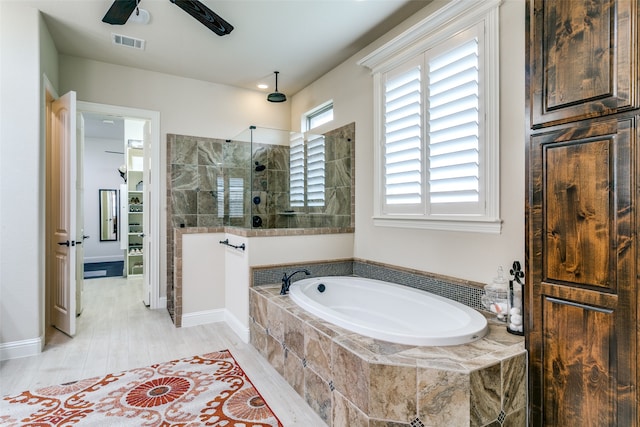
[116,332]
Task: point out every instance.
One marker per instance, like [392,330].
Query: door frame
[153,257]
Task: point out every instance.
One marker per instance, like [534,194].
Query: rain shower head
[276,96]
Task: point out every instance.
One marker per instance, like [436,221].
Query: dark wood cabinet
[582,271]
[582,219]
[583,59]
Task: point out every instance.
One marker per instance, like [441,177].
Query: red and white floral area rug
[207,390]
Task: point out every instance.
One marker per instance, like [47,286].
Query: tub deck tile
[349,379]
[473,350]
[350,375]
[443,397]
[294,334]
[294,372]
[317,394]
[347,414]
[486,392]
[514,384]
[317,350]
[275,322]
[392,392]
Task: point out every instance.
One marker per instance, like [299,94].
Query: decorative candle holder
[515,319]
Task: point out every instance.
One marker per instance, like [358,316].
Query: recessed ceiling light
[262,86]
[108,122]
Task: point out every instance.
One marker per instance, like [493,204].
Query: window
[319,116]
[236,197]
[437,122]
[296,171]
[307,170]
[315,170]
[307,160]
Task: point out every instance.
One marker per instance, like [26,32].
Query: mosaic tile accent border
[466,292]
[273,274]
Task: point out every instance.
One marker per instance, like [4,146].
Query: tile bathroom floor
[116,332]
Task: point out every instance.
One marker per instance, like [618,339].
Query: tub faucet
[286,280]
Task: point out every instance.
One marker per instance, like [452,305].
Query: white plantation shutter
[453,138]
[296,171]
[403,138]
[236,197]
[315,170]
[220,188]
[437,108]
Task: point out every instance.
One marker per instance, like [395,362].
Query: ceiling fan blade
[120,11]
[205,15]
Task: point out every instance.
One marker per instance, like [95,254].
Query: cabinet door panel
[582,273]
[578,229]
[583,59]
[579,375]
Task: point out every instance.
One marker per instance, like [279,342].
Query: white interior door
[79,230]
[63,214]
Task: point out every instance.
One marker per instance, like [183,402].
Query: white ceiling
[303,39]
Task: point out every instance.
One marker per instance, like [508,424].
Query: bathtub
[388,311]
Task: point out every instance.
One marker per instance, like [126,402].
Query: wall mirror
[108,215]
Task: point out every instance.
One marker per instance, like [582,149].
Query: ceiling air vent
[127,41]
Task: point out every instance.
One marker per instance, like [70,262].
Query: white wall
[100,172]
[26,52]
[203,275]
[186,106]
[471,256]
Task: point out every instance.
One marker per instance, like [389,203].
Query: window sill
[477,225]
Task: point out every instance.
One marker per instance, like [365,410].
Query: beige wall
[26,52]
[470,256]
[204,109]
[186,106]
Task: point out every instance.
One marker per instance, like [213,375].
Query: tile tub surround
[351,380]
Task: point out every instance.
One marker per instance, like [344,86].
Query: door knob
[67,243]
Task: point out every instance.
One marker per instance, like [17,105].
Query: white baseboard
[214,316]
[203,317]
[106,258]
[237,326]
[162,302]
[17,349]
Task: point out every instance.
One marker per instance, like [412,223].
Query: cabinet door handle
[141,235]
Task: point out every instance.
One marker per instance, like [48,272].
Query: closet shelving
[135,210]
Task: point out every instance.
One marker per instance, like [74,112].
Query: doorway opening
[147,233]
[137,158]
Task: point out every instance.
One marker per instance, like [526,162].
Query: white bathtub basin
[389,311]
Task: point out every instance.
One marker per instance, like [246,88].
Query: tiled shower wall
[272,185]
[194,165]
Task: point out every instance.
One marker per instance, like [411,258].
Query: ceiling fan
[121,10]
